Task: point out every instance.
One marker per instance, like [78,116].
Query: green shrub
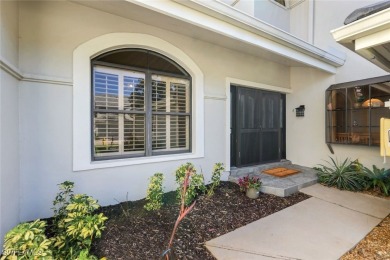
[345,176]
[27,241]
[155,192]
[378,179]
[77,225]
[196,184]
[215,178]
[62,199]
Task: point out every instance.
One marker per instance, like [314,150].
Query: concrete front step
[281,187]
[239,172]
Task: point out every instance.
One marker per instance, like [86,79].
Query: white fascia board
[373,40]
[363,27]
[247,22]
[236,25]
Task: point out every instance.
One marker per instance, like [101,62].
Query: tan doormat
[280,172]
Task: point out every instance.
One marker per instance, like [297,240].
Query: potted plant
[251,185]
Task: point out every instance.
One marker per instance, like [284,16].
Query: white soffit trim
[225,20]
[373,40]
[363,27]
[368,37]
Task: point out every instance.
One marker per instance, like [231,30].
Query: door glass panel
[259,131]
[270,151]
[247,105]
[270,111]
[250,148]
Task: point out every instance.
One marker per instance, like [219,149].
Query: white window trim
[82,55]
[290,4]
[280,5]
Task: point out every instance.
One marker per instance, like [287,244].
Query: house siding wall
[9,120]
[306,136]
[272,13]
[50,31]
[301,21]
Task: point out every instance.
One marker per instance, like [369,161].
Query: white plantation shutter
[179,102]
[159,130]
[136,113]
[134,132]
[106,133]
[106,87]
[179,98]
[159,96]
[179,132]
[124,132]
[170,108]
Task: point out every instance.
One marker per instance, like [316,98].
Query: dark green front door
[257,126]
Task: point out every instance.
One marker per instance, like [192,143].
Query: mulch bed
[376,245]
[134,233]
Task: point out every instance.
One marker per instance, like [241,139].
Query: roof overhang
[369,37]
[215,22]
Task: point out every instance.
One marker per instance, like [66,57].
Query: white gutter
[225,20]
[363,27]
[366,36]
[240,19]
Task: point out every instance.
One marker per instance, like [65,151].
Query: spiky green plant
[378,179]
[344,176]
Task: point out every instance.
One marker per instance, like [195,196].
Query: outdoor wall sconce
[300,111]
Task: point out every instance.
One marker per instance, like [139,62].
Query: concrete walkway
[323,227]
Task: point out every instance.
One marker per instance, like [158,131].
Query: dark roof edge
[366,11]
[361,82]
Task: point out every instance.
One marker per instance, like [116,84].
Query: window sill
[134,161]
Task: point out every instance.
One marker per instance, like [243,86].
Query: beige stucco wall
[40,41]
[301,20]
[306,136]
[49,32]
[272,13]
[9,120]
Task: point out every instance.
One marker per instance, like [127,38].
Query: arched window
[141,105]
